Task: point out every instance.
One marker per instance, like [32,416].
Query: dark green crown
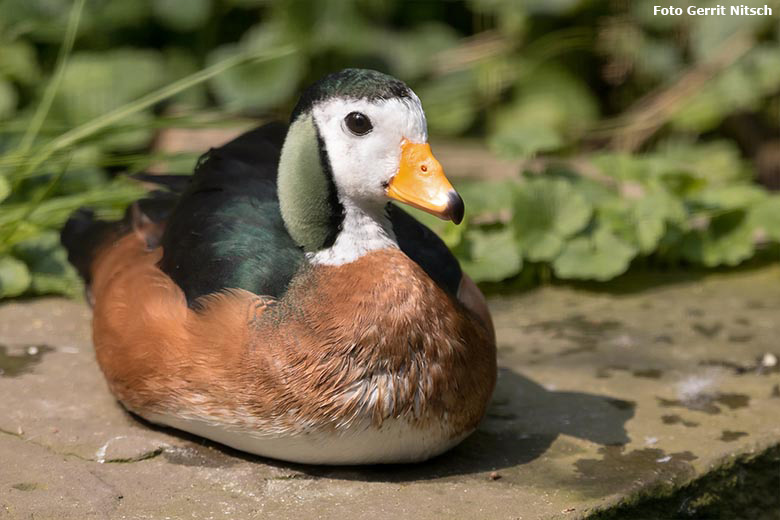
[352,84]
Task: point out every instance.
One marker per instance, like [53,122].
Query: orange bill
[420,183]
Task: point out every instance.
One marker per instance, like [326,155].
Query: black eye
[358,124]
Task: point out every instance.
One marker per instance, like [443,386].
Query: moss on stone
[748,487]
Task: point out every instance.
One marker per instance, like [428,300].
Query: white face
[363,164]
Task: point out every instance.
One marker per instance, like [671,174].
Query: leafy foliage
[490,255]
[546,213]
[14,277]
[598,255]
[662,206]
[657,125]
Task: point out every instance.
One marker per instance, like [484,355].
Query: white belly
[394,442]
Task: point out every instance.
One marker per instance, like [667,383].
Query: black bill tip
[455,207]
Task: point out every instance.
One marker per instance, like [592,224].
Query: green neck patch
[309,204]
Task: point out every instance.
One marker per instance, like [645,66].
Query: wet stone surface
[601,397]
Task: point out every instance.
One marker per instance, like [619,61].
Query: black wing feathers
[426,249]
[227,231]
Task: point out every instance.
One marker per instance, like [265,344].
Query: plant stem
[51,89]
[33,205]
[89,128]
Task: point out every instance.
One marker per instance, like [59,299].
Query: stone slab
[601,396]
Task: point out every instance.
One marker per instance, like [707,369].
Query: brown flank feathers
[376,338]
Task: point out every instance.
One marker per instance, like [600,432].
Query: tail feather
[84,234]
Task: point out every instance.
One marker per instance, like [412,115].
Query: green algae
[745,488]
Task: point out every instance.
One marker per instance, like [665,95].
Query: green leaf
[257,85]
[37,249]
[707,33]
[135,131]
[95,83]
[572,94]
[765,217]
[550,7]
[491,255]
[526,130]
[541,245]
[182,15]
[5,188]
[48,263]
[741,87]
[8,99]
[673,208]
[621,165]
[43,284]
[14,277]
[110,200]
[657,58]
[552,106]
[712,163]
[726,240]
[180,63]
[23,231]
[682,184]
[402,50]
[450,102]
[599,255]
[765,67]
[105,16]
[249,3]
[651,214]
[42,20]
[486,198]
[649,217]
[18,62]
[731,196]
[83,172]
[639,222]
[547,211]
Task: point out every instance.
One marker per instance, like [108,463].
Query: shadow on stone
[522,422]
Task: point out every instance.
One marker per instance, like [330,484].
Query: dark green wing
[227,230]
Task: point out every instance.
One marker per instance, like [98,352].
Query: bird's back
[227,229]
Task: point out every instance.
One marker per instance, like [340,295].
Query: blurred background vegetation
[597,136]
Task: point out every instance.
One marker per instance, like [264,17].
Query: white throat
[362,231]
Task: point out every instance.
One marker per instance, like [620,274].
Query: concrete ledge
[652,404]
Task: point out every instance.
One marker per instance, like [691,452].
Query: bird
[280,302]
